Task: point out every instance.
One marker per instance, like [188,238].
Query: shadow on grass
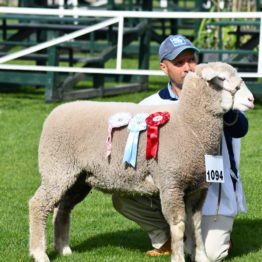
[246,238]
[128,239]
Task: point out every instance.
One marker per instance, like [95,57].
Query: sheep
[72,157]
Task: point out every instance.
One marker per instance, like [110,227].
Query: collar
[167,93]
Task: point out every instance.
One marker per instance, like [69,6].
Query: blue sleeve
[235,124]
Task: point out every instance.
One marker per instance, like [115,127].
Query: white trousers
[146,212]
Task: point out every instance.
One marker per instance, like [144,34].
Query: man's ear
[163,67]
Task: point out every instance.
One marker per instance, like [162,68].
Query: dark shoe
[165,250]
[230,244]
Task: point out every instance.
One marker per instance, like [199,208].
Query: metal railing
[113,17]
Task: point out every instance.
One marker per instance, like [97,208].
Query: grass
[98,232]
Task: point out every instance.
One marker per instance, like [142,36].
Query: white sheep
[72,157]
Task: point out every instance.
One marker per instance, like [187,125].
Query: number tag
[214,169]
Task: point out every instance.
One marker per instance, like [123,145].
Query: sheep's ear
[208,73]
[218,81]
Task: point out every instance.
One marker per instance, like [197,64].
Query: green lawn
[98,232]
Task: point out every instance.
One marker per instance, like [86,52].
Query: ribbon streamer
[115,121]
[136,124]
[153,122]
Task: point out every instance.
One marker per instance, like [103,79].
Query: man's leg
[146,212]
[216,231]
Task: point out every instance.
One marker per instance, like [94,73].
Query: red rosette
[157,119]
[153,122]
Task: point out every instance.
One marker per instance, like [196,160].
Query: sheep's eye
[237,88]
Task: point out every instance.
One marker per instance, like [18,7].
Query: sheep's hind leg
[194,204]
[61,217]
[40,206]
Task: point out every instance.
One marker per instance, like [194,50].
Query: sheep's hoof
[66,251]
[178,258]
[201,257]
[39,256]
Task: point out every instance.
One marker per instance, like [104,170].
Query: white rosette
[117,120]
[136,124]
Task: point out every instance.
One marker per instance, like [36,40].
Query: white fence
[113,17]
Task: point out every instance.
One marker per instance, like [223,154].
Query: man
[223,201]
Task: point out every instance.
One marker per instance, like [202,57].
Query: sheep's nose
[251,99]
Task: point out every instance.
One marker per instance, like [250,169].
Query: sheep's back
[76,133]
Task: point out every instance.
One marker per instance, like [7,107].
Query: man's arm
[235,124]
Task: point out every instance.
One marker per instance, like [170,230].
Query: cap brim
[178,52]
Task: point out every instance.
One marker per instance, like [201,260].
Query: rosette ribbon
[136,124]
[153,122]
[115,121]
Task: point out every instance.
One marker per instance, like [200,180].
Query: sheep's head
[234,92]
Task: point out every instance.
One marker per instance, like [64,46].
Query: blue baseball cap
[173,45]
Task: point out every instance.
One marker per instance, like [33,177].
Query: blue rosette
[136,124]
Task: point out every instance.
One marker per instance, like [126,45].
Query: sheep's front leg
[177,236]
[173,208]
[200,253]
